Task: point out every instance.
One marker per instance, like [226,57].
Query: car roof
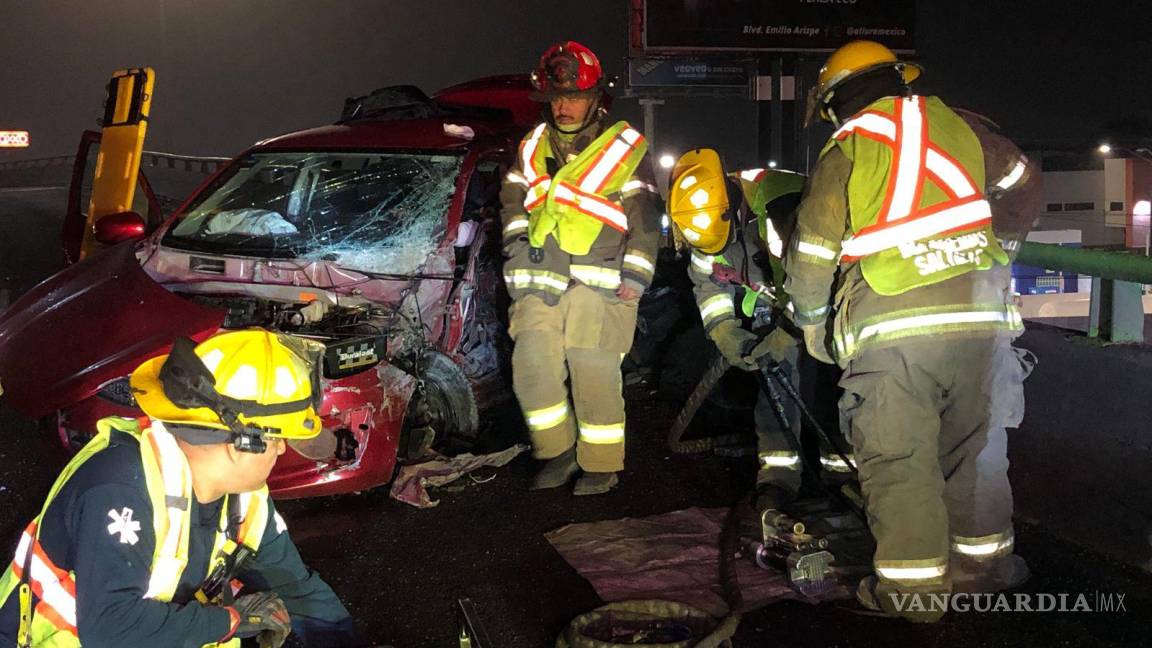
[498,109]
[427,133]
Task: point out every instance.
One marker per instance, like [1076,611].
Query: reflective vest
[762,186]
[48,593]
[918,212]
[583,197]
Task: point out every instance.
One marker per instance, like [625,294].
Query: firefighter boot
[557,471]
[872,595]
[596,483]
[975,577]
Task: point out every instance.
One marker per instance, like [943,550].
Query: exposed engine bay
[372,343]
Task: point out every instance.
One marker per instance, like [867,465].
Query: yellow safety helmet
[698,201]
[250,383]
[850,61]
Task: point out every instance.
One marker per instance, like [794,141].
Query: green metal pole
[1118,266]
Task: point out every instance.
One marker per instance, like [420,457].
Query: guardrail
[203,164]
[1116,307]
[172,176]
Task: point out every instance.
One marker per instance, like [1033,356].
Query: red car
[377,237]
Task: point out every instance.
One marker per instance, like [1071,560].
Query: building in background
[1107,199]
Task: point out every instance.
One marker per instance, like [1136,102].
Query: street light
[1142,152]
[1142,210]
[667,160]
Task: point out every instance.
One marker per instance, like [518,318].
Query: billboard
[769,25]
[683,71]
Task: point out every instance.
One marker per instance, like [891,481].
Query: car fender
[91,323]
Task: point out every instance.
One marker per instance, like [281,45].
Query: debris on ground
[413,480]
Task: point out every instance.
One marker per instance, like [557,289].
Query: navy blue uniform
[100,527]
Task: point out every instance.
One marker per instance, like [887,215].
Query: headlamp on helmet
[567,68]
[248,384]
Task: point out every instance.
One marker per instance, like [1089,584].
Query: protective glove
[776,344]
[814,336]
[263,615]
[732,342]
[629,290]
[515,247]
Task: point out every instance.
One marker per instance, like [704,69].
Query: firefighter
[581,227]
[894,235]
[1014,191]
[733,224]
[144,532]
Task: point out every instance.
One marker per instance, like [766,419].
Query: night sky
[230,72]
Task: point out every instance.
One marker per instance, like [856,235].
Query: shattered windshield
[376,212]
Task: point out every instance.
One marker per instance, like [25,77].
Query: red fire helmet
[567,68]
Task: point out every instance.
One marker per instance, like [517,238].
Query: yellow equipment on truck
[121,143]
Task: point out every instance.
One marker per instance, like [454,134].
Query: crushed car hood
[91,323]
[286,279]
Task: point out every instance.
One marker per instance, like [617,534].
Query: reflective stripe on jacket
[534,226]
[169,483]
[717,278]
[916,195]
[583,196]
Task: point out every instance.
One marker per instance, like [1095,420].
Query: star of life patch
[124,525]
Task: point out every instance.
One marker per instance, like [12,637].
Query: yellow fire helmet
[251,383]
[852,60]
[698,201]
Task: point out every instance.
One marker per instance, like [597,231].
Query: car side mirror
[119,227]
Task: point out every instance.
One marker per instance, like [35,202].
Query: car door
[477,332]
[144,201]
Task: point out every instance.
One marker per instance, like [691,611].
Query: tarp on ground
[673,556]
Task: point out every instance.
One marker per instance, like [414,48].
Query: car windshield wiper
[230,247]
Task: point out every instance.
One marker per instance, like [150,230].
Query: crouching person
[146,534]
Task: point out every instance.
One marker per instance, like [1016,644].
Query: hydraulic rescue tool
[786,545]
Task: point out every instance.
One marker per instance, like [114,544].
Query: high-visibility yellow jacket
[894,232]
[915,196]
[584,210]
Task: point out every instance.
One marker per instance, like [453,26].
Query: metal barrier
[205,164]
[1116,309]
[56,170]
[38,162]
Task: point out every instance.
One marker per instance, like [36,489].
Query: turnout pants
[581,340]
[927,421]
[778,448]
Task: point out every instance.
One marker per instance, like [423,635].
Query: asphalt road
[400,570]
[30,220]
